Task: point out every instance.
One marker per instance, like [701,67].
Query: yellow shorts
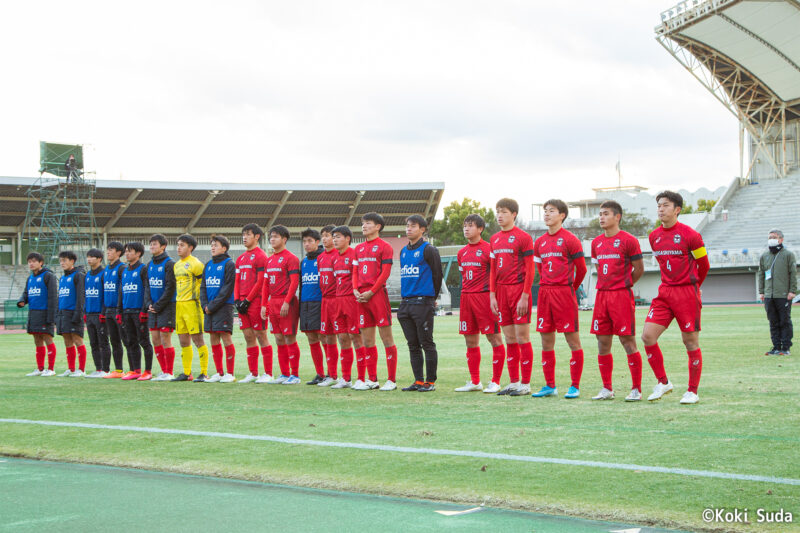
[188,317]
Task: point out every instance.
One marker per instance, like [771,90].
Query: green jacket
[784,274]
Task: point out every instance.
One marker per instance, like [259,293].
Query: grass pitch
[746,423]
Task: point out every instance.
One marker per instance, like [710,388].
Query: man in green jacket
[777,287]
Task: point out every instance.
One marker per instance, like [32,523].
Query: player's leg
[634,365]
[507,306]
[548,339]
[292,350]
[202,353]
[282,348]
[331,349]
[691,340]
[39,345]
[133,346]
[265,348]
[69,349]
[155,338]
[115,340]
[409,327]
[575,363]
[93,330]
[346,343]
[251,347]
[522,334]
[215,339]
[187,354]
[605,363]
[650,335]
[317,358]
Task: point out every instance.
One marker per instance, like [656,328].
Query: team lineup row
[337,297]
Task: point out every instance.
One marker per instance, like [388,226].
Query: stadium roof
[141,207]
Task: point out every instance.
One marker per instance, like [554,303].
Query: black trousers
[779,313]
[98,339]
[137,338]
[115,338]
[416,319]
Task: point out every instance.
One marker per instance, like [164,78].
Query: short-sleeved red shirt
[327,283]
[508,250]
[613,257]
[343,272]
[556,255]
[676,249]
[369,258]
[250,267]
[474,262]
[276,276]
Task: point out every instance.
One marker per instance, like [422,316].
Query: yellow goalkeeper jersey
[188,275]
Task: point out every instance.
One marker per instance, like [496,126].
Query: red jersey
[613,257]
[556,255]
[343,272]
[474,263]
[370,256]
[327,283]
[280,267]
[508,248]
[249,271]
[676,249]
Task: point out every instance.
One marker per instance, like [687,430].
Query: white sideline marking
[458,513]
[425,451]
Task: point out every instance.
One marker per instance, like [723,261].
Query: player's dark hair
[94,252]
[136,247]
[282,231]
[419,220]
[68,254]
[614,206]
[36,256]
[253,228]
[160,239]
[558,204]
[672,196]
[508,203]
[327,229]
[344,231]
[308,232]
[116,245]
[188,239]
[372,216]
[222,240]
[476,219]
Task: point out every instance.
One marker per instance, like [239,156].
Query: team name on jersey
[130,287]
[362,259]
[470,264]
[609,256]
[309,279]
[668,252]
[503,251]
[92,292]
[408,270]
[156,283]
[64,291]
[273,269]
[551,254]
[35,291]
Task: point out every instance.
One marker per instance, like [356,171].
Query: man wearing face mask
[777,287]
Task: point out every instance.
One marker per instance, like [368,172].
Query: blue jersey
[68,287]
[37,290]
[110,282]
[156,276]
[93,287]
[132,288]
[416,278]
[310,292]
[214,277]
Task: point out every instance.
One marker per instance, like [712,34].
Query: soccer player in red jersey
[247,295]
[684,264]
[327,284]
[345,314]
[618,259]
[510,283]
[281,279]
[475,316]
[559,257]
[371,269]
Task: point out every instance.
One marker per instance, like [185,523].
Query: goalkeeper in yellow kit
[188,314]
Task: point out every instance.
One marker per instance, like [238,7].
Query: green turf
[746,422]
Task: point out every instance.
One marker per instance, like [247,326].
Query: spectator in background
[777,287]
[71,166]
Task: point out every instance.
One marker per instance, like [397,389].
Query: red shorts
[556,309]
[507,299]
[681,302]
[475,314]
[345,315]
[283,325]
[252,319]
[376,312]
[327,315]
[614,313]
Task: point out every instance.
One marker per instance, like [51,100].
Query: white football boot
[660,390]
[36,372]
[342,384]
[227,378]
[249,378]
[388,385]
[634,396]
[604,394]
[492,388]
[327,382]
[470,387]
[689,398]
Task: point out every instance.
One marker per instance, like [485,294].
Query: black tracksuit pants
[115,339]
[779,313]
[416,319]
[98,340]
[137,339]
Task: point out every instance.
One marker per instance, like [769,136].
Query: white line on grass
[425,451]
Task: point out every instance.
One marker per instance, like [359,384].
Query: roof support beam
[203,207]
[277,212]
[431,199]
[121,211]
[356,203]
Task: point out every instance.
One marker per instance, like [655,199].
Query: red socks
[41,352]
[498,358]
[316,357]
[512,358]
[252,359]
[391,363]
[293,352]
[656,360]
[695,369]
[549,367]
[371,361]
[82,357]
[266,356]
[283,360]
[474,364]
[216,353]
[169,358]
[159,350]
[635,364]
[71,358]
[332,358]
[576,368]
[361,363]
[606,364]
[347,363]
[230,358]
[51,356]
[526,362]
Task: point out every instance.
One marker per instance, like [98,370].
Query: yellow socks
[186,360]
[203,353]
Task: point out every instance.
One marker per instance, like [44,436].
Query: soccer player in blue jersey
[94,316]
[133,311]
[69,319]
[217,300]
[311,300]
[112,277]
[41,297]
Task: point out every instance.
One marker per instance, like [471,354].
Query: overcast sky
[521,98]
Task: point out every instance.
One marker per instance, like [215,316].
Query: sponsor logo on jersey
[64,291]
[309,278]
[408,270]
[94,292]
[214,282]
[186,266]
[130,287]
[676,238]
[156,283]
[657,240]
[616,243]
[35,291]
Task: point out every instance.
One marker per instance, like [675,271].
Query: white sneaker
[372,385]
[48,373]
[492,388]
[660,390]
[249,378]
[214,379]
[291,380]
[689,397]
[162,377]
[469,387]
[389,385]
[360,385]
[36,372]
[604,394]
[277,381]
[78,374]
[342,384]
[327,382]
[264,378]
[508,389]
[95,374]
[67,373]
[523,389]
[227,378]
[102,374]
[634,396]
